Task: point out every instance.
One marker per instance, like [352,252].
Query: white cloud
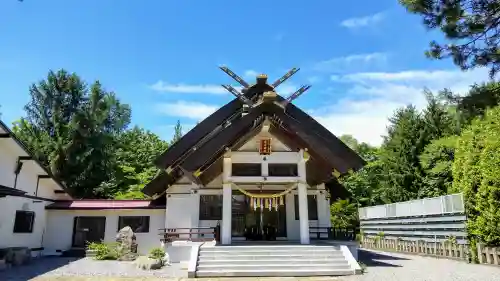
[372,97]
[191,110]
[250,74]
[314,79]
[362,21]
[286,89]
[347,63]
[162,86]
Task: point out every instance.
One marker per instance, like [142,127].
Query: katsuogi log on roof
[204,144]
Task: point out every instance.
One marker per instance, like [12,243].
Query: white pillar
[226,214]
[323,207]
[302,196]
[303,213]
[226,200]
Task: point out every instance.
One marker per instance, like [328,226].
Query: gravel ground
[380,266]
[49,268]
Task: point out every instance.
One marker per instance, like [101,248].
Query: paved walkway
[380,266]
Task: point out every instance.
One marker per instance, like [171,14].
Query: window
[24,222]
[139,224]
[246,170]
[312,206]
[283,170]
[210,207]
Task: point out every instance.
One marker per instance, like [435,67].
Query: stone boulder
[16,255]
[127,246]
[3,259]
[148,263]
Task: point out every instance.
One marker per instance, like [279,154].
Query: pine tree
[177,132]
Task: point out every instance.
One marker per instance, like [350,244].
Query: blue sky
[363,58]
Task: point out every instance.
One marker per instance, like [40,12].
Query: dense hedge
[476,173]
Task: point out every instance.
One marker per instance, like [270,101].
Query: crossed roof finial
[262,79]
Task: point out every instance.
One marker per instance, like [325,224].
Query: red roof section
[101,204]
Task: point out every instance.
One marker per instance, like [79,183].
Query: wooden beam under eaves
[25,158]
[4,135]
[193,177]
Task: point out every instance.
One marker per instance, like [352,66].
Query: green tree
[177,132]
[437,161]
[73,126]
[366,151]
[476,173]
[471,29]
[361,184]
[479,98]
[135,151]
[401,170]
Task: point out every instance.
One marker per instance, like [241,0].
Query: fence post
[488,256]
[480,252]
[495,256]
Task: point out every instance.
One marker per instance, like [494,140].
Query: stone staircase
[268,260]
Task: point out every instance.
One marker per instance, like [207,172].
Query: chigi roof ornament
[268,92]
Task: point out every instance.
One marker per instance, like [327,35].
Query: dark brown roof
[101,204]
[327,151]
[9,191]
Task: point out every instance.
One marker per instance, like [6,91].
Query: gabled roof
[7,132]
[205,143]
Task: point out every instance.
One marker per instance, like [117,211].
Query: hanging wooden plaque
[265,147]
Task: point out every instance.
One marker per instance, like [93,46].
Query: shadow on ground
[370,258]
[35,268]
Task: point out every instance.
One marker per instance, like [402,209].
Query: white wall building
[23,216]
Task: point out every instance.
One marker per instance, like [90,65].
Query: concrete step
[302,261]
[278,247]
[270,256]
[273,272]
[261,266]
[272,260]
[270,252]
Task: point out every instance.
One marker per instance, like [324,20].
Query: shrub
[104,251]
[476,173]
[157,253]
[344,214]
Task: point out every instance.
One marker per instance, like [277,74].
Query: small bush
[104,251]
[157,253]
